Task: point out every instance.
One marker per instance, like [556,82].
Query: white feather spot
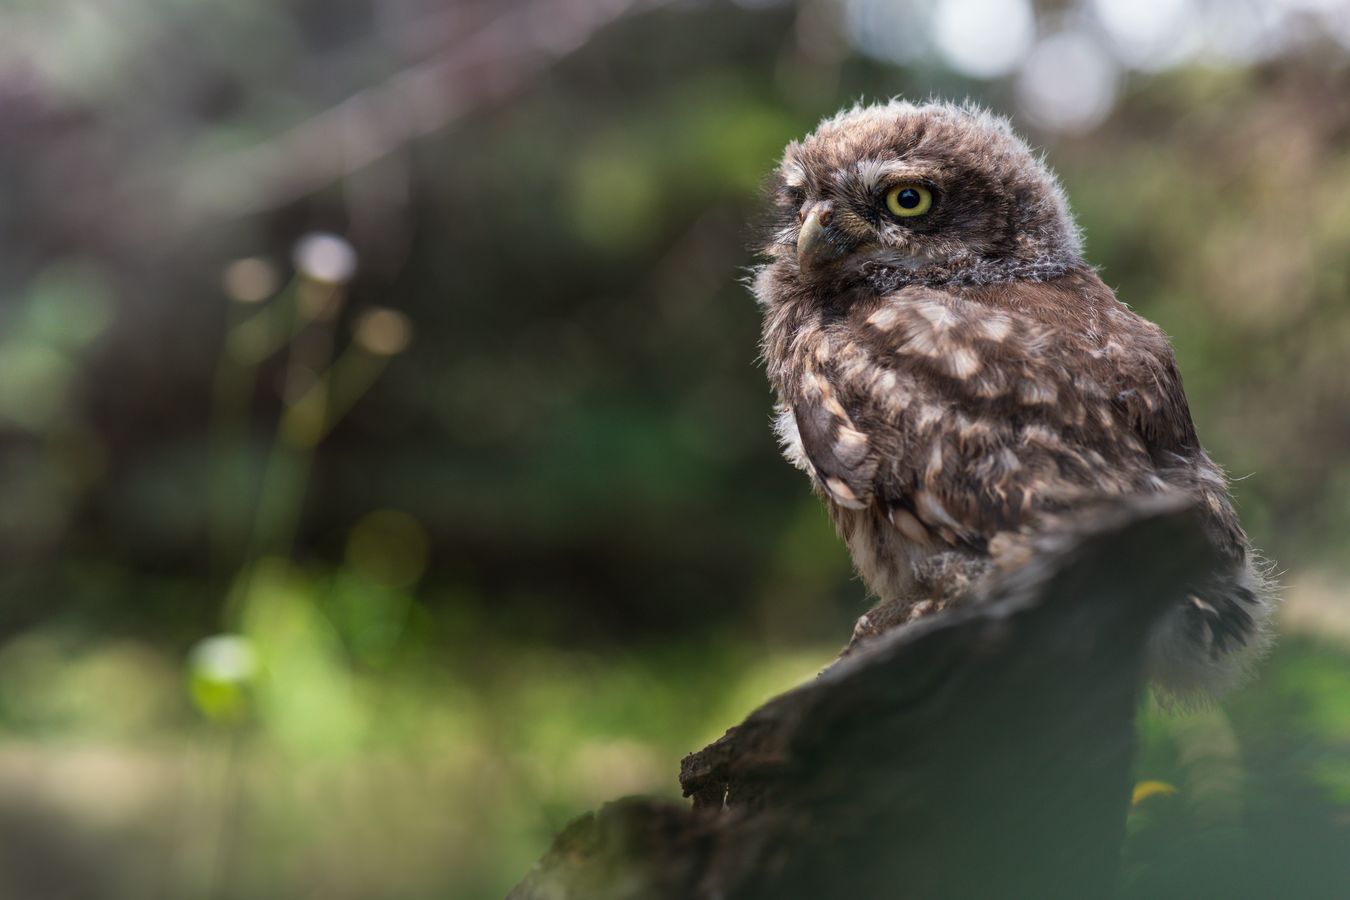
[922,342]
[941,316]
[934,461]
[963,363]
[989,387]
[909,526]
[932,510]
[1089,387]
[929,415]
[790,439]
[870,173]
[968,429]
[884,319]
[1042,436]
[995,328]
[842,494]
[832,405]
[1037,393]
[851,446]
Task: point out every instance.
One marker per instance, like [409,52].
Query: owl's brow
[794,176]
[874,174]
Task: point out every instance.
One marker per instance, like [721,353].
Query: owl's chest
[790,438]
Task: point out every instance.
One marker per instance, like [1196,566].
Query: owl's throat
[891,273]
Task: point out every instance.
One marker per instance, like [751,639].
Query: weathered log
[981,752]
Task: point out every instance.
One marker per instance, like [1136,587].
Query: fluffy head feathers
[998,214]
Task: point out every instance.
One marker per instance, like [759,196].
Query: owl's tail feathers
[1211,643]
[1208,643]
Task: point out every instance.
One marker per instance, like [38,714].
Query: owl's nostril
[823,210]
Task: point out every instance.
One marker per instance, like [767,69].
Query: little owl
[957,381]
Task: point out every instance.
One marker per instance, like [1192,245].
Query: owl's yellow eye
[909,200]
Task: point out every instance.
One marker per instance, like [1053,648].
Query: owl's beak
[818,244]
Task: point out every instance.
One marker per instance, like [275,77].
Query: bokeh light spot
[34,383]
[889,30]
[1150,36]
[224,657]
[220,670]
[250,280]
[984,38]
[1069,83]
[70,303]
[325,258]
[382,331]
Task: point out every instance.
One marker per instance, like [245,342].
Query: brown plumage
[958,382]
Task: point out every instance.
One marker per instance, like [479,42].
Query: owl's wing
[842,458]
[964,413]
[1150,398]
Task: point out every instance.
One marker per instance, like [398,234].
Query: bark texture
[983,751]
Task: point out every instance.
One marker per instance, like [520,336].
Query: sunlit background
[385,473]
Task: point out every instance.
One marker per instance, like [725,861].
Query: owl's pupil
[908,199]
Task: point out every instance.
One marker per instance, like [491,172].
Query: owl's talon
[862,627]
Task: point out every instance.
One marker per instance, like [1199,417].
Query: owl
[959,383]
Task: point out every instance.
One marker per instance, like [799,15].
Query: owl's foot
[886,615]
[941,581]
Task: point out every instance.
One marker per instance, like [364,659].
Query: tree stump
[984,751]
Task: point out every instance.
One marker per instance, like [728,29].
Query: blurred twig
[484,66]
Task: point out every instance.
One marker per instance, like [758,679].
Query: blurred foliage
[387,472]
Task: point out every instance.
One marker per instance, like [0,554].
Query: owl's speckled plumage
[961,382]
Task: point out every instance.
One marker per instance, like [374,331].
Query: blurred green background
[386,471]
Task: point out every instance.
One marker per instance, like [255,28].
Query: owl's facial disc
[897,193]
[855,217]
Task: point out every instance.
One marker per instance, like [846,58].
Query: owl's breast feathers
[964,412]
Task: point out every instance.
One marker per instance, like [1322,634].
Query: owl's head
[898,193]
